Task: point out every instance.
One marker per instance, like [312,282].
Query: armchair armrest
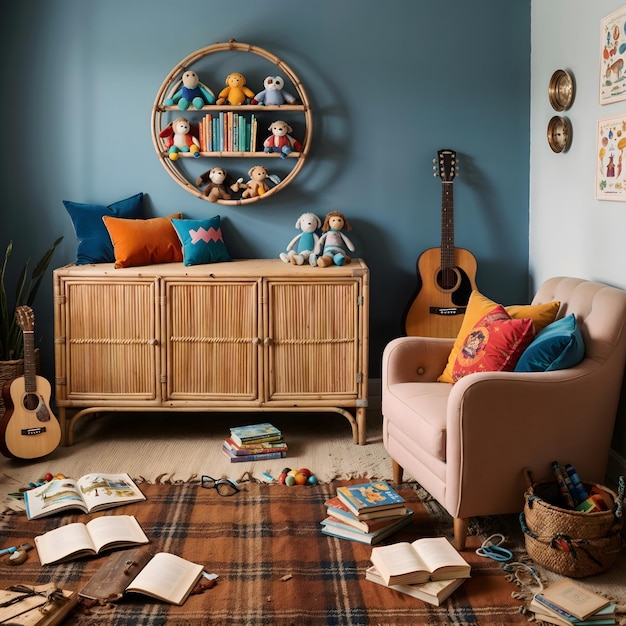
[512,421]
[415,359]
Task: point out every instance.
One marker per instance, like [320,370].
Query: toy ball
[290,480]
[311,480]
[300,479]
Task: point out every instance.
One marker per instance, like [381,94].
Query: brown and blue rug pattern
[274,565]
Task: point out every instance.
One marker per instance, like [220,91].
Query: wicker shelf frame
[159,109]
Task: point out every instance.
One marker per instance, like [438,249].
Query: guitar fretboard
[447,225]
[30,373]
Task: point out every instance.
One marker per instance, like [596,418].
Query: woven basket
[570,543]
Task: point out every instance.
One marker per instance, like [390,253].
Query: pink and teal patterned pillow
[202,240]
[94,243]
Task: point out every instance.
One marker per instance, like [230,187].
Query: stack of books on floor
[366,512]
[429,569]
[255,442]
[569,603]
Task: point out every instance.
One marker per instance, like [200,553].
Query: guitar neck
[30,373]
[447,225]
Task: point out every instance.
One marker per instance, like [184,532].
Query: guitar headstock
[25,318]
[446,165]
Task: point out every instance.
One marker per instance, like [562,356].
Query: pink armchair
[469,443]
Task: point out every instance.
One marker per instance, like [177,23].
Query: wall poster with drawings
[611,143]
[612,55]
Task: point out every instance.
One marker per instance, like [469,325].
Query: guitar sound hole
[448,279]
[31,401]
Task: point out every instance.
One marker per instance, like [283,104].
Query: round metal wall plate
[559,133]
[561,90]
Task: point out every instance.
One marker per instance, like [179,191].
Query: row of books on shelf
[429,569]
[255,442]
[228,131]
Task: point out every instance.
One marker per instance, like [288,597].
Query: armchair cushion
[494,344]
[558,346]
[478,306]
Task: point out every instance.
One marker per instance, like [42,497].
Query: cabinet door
[110,339]
[313,340]
[212,340]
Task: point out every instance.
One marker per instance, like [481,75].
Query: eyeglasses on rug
[223,486]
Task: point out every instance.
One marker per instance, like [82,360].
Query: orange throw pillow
[144,242]
[495,344]
[479,305]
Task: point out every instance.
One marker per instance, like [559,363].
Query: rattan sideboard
[247,335]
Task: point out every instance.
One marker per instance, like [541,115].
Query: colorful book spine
[579,488]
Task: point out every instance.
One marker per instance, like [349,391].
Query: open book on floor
[72,541]
[163,576]
[89,493]
[431,558]
[434,591]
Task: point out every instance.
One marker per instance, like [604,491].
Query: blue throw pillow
[558,346]
[202,240]
[94,243]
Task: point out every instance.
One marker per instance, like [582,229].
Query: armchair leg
[461,525]
[398,471]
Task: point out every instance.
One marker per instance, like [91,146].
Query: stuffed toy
[308,223]
[273,94]
[179,138]
[192,93]
[218,183]
[235,92]
[280,140]
[331,247]
[257,185]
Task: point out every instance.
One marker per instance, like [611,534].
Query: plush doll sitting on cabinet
[192,93]
[333,245]
[235,92]
[280,140]
[179,137]
[306,240]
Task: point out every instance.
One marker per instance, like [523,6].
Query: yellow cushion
[143,242]
[478,306]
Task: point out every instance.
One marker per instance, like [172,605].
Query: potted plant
[11,342]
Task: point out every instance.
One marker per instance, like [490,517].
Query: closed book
[572,598]
[434,591]
[372,496]
[252,457]
[335,528]
[604,617]
[255,432]
[255,448]
[336,508]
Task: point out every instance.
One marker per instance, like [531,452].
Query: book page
[105,490]
[63,541]
[438,552]
[167,577]
[108,530]
[52,496]
[396,559]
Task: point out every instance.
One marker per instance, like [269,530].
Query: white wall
[571,233]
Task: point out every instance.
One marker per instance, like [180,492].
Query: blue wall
[389,85]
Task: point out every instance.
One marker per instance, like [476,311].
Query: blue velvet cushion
[202,240]
[558,346]
[94,243]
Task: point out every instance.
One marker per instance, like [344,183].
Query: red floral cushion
[494,344]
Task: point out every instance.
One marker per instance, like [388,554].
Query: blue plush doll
[192,93]
[306,240]
[273,94]
[333,245]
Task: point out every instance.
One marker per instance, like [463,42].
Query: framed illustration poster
[610,146]
[613,57]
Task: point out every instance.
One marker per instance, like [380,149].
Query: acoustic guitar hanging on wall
[29,428]
[446,275]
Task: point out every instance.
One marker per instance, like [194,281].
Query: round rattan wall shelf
[161,115]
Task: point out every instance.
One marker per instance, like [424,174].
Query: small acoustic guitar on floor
[446,275]
[29,429]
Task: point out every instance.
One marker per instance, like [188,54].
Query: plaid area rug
[253,540]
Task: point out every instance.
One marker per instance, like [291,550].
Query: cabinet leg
[461,525]
[361,415]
